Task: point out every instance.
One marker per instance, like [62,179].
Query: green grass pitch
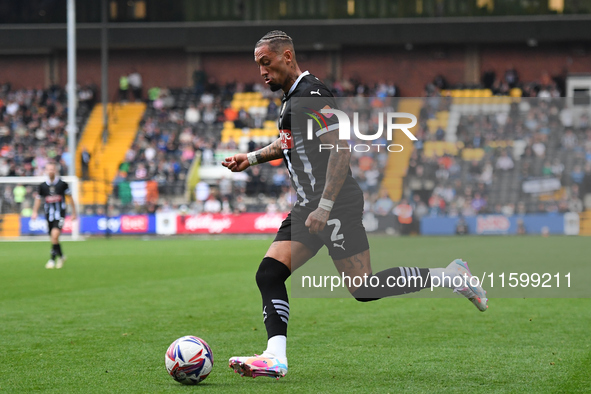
[103,323]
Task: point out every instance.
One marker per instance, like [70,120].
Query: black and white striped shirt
[53,195]
[306,163]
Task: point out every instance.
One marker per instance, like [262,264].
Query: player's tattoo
[350,263]
[337,170]
[270,152]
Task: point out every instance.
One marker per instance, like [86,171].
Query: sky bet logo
[345,129]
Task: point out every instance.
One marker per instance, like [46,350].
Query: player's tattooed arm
[336,173]
[270,152]
[338,165]
[241,161]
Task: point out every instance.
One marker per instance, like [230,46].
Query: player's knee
[271,271]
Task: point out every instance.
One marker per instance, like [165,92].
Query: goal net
[17,195]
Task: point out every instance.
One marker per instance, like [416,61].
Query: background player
[53,192]
[328,211]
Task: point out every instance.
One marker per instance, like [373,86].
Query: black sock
[58,249]
[392,282]
[271,277]
[53,251]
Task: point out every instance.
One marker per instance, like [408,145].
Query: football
[189,360]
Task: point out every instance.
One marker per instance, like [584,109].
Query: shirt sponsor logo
[53,199]
[286,139]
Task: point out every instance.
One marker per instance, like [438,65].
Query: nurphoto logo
[344,127]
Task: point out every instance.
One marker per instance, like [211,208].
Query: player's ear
[288,55]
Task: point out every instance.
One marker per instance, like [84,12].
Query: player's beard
[274,87]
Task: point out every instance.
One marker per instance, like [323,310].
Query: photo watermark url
[543,280]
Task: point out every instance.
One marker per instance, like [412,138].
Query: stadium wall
[26,71]
[409,69]
[531,62]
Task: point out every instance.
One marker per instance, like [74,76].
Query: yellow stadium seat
[472,154]
[515,92]
[432,124]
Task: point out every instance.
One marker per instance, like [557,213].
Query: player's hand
[73,217]
[317,220]
[34,216]
[236,163]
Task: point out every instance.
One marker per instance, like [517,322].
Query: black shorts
[344,234]
[59,224]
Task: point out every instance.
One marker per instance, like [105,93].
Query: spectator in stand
[478,203]
[439,134]
[538,147]
[85,162]
[436,205]
[141,173]
[192,115]
[135,83]
[504,162]
[442,174]
[547,168]
[404,214]
[239,205]
[577,175]
[508,209]
[19,192]
[372,178]
[123,87]
[202,191]
[573,202]
[153,94]
[212,205]
[226,207]
[474,171]
[420,210]
[461,226]
[382,208]
[486,177]
[383,205]
[199,81]
[87,96]
[569,140]
[467,209]
[557,168]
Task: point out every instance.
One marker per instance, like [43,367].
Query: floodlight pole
[71,90]
[105,69]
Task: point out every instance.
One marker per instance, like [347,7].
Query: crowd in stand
[32,132]
[535,139]
[175,129]
[183,125]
